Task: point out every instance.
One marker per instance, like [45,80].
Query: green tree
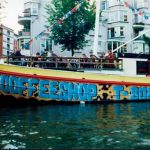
[72,31]
[147,41]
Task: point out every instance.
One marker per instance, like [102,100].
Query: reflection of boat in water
[124,82]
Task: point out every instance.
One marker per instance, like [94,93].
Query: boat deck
[62,75]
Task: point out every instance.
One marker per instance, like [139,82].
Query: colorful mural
[123,92]
[70,91]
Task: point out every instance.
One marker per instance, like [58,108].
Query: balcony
[32,1]
[139,38]
[102,18]
[22,20]
[24,34]
[142,5]
[139,25]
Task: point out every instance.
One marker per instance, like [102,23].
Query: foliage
[72,31]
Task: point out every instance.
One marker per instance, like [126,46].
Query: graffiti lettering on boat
[46,89]
[71,91]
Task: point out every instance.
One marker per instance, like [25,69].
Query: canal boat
[82,80]
[77,79]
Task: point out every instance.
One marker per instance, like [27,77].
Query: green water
[118,126]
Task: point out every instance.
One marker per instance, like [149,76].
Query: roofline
[2,26]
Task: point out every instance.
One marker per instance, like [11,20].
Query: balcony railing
[24,16]
[35,1]
[66,63]
[25,13]
[138,24]
[23,33]
[138,27]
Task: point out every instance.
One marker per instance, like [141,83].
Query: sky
[13,9]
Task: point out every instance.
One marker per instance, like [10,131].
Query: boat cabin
[136,64]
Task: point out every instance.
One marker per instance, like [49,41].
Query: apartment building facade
[121,21]
[7,39]
[118,24]
[33,21]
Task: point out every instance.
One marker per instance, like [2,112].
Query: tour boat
[78,79]
[125,79]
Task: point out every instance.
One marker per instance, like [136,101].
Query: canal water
[102,126]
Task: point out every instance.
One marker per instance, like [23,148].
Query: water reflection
[76,126]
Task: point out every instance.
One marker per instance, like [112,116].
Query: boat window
[142,67]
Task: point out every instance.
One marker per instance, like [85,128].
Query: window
[8,46]
[115,32]
[34,10]
[111,32]
[99,43]
[49,45]
[142,67]
[103,5]
[121,31]
[115,44]
[124,49]
[122,16]
[125,18]
[8,32]
[117,16]
[8,39]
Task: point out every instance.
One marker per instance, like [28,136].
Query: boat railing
[66,63]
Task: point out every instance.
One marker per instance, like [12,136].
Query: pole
[31,30]
[95,48]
